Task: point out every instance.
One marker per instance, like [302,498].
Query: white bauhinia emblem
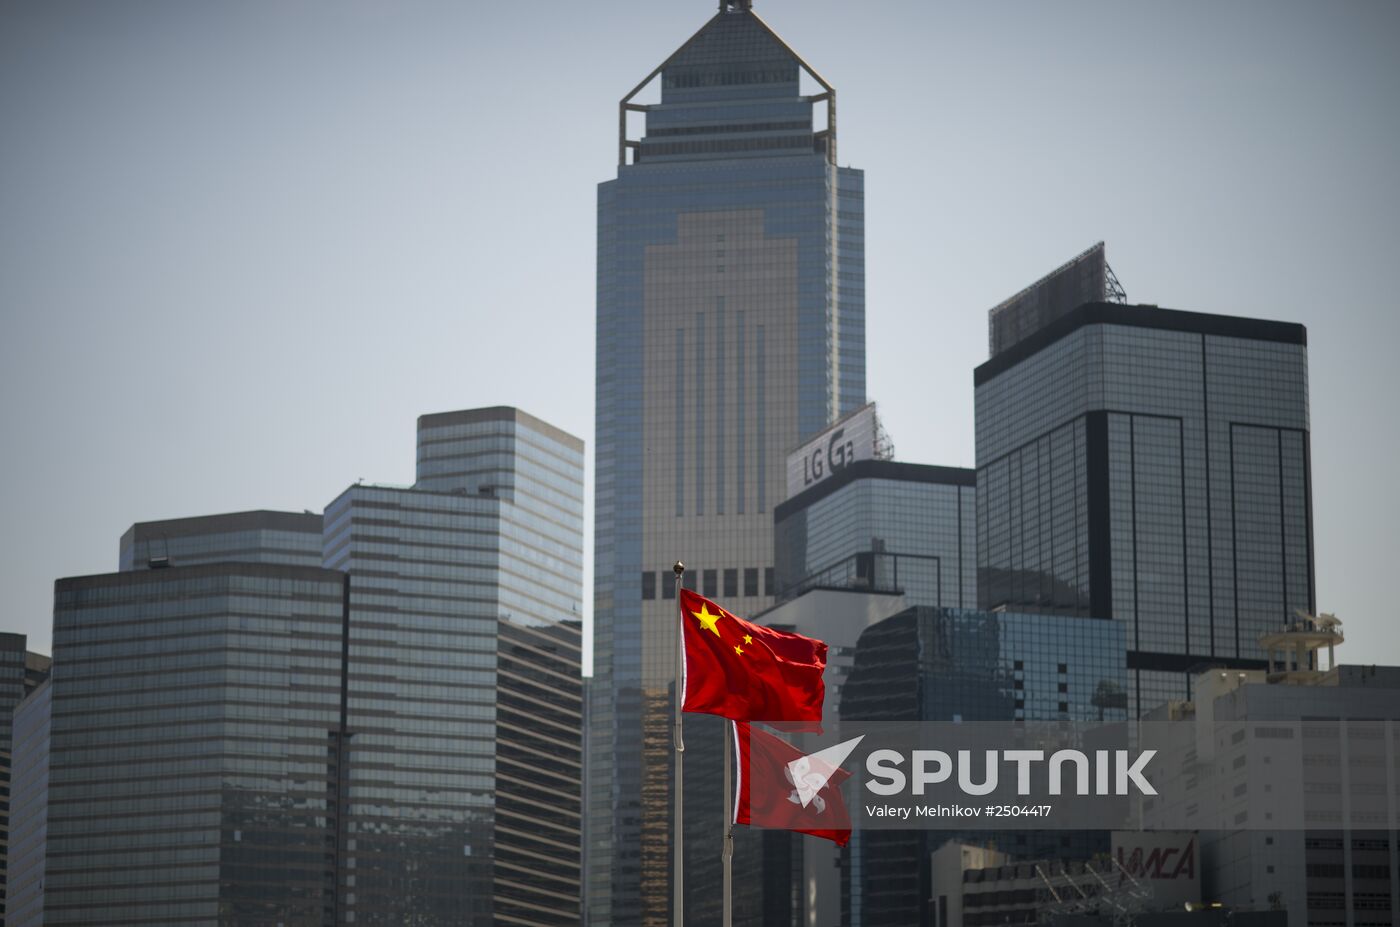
[809,774]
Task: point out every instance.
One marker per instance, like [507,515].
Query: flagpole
[727,854]
[678,828]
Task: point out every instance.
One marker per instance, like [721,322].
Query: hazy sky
[244,245]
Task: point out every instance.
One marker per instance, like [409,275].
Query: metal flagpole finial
[679,570]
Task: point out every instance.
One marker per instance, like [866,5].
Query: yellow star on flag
[707,621]
[739,650]
[748,639]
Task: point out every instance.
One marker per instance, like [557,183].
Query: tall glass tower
[1153,467]
[731,324]
[463,672]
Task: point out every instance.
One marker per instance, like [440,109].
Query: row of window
[710,583]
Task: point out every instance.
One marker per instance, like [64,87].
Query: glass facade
[883,526]
[1150,466]
[248,537]
[15,682]
[394,738]
[29,806]
[464,708]
[195,713]
[730,325]
[966,666]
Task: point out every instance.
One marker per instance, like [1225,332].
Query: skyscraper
[193,763]
[730,325]
[29,804]
[965,666]
[20,672]
[879,524]
[464,661]
[1149,466]
[392,738]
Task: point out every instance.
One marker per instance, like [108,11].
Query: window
[770,584]
[750,581]
[711,583]
[689,581]
[731,583]
[648,584]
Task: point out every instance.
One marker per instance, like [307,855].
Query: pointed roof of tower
[735,48]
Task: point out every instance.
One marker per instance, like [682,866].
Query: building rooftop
[1141,316]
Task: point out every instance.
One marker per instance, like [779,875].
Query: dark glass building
[882,525]
[965,666]
[20,672]
[24,902]
[1149,466]
[193,759]
[730,325]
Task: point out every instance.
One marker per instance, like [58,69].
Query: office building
[1290,773]
[1084,278]
[29,784]
[879,524]
[1149,466]
[394,737]
[463,670]
[730,326]
[968,666]
[859,539]
[20,672]
[192,759]
[293,538]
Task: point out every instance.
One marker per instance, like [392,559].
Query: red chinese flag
[744,671]
[780,787]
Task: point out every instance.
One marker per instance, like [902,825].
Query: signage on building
[852,438]
[1166,860]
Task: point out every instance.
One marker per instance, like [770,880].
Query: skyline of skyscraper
[730,325]
[394,736]
[1150,466]
[716,352]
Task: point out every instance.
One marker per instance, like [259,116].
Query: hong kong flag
[778,786]
[746,672]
